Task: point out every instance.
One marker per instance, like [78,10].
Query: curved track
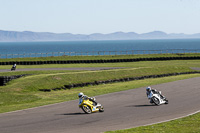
[69,68]
[122,110]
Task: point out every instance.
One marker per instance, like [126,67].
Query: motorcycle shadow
[73,114]
[145,105]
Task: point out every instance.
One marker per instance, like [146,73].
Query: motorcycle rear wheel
[86,109]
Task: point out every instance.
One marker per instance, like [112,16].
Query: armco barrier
[99,61]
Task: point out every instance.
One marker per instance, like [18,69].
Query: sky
[100,16]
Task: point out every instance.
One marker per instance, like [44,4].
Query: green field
[188,124]
[24,92]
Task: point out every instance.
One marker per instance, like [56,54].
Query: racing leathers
[85,97]
[153,91]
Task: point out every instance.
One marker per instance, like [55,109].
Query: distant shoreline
[29,36]
[100,40]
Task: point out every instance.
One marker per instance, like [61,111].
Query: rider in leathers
[85,97]
[154,91]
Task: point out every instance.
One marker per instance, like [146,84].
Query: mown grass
[103,57]
[18,99]
[34,72]
[58,80]
[153,64]
[190,124]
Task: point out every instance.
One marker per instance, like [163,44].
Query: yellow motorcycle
[89,106]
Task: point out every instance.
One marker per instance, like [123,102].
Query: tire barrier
[117,80]
[99,61]
[6,79]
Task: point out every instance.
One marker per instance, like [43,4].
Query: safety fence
[100,53]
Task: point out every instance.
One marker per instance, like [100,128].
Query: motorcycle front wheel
[166,101]
[86,109]
[101,109]
[156,100]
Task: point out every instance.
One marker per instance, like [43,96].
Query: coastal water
[92,46]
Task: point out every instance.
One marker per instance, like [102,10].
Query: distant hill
[14,36]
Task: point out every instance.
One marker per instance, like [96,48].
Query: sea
[38,49]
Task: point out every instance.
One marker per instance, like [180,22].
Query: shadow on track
[72,114]
[145,105]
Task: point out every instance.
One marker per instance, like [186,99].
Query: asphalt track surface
[71,68]
[123,109]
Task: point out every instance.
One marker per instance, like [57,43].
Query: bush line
[98,61]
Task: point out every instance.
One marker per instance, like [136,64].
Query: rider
[14,65]
[154,91]
[85,97]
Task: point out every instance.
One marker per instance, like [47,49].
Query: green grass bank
[188,124]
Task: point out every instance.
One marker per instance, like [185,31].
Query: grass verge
[59,80]
[152,64]
[188,124]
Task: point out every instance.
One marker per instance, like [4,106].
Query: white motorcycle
[157,99]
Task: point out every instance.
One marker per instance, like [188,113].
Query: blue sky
[100,16]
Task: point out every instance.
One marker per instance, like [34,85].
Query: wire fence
[100,53]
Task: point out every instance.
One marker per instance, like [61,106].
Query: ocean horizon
[95,46]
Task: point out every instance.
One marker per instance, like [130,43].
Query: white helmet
[148,88]
[80,95]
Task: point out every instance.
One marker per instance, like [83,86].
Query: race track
[67,68]
[124,109]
